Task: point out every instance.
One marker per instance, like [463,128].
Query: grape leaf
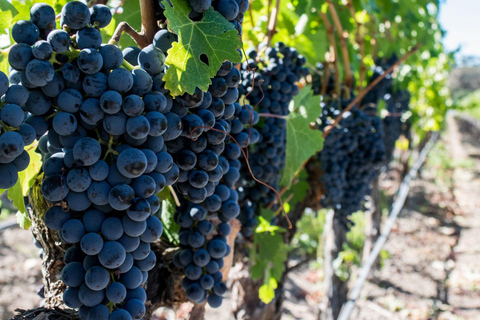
[302,142]
[213,38]
[26,178]
[7,12]
[268,255]
[170,228]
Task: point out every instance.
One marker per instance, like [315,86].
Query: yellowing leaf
[302,142]
[266,293]
[213,38]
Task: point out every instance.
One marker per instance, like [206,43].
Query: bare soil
[433,271]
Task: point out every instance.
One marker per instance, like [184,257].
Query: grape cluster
[208,162]
[102,127]
[272,87]
[351,157]
[15,134]
[397,104]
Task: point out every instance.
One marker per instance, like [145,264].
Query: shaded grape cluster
[271,86]
[207,155]
[351,157]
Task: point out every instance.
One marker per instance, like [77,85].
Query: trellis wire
[397,207]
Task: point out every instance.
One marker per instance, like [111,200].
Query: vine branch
[333,46]
[272,23]
[149,26]
[361,45]
[343,44]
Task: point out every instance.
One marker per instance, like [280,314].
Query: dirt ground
[433,271]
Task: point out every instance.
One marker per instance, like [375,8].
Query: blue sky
[461,20]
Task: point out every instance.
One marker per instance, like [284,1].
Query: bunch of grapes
[208,160]
[351,157]
[397,104]
[15,134]
[102,127]
[272,86]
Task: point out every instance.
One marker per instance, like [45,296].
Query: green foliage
[170,228]
[302,141]
[308,239]
[213,38]
[21,189]
[268,255]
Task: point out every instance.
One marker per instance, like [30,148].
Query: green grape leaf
[4,66]
[170,228]
[26,178]
[212,38]
[302,142]
[7,12]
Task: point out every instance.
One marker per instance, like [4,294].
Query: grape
[89,297]
[112,56]
[73,274]
[89,61]
[99,171]
[207,282]
[154,229]
[12,115]
[92,220]
[142,82]
[120,80]
[53,188]
[220,288]
[75,15]
[71,299]
[100,16]
[72,231]
[87,151]
[59,40]
[132,278]
[116,292]
[214,300]
[54,87]
[217,249]
[127,264]
[95,85]
[90,112]
[78,179]
[70,73]
[24,31]
[42,15]
[151,59]
[19,56]
[195,293]
[133,105]
[132,163]
[112,228]
[42,50]
[112,255]
[135,308]
[201,257]
[115,124]
[138,127]
[200,5]
[64,123]
[133,228]
[120,314]
[121,197]
[130,54]
[99,312]
[97,278]
[91,243]
[89,38]
[163,40]
[129,243]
